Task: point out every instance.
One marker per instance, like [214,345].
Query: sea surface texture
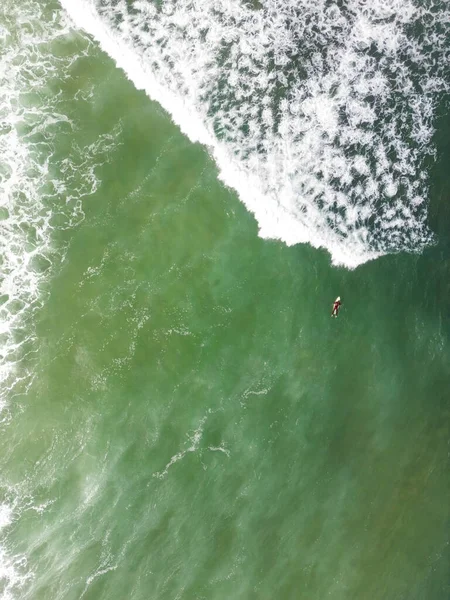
[185,188]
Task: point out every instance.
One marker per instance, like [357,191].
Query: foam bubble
[319,114]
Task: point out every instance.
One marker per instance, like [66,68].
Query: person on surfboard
[336,305]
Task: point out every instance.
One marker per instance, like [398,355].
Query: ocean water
[185,187]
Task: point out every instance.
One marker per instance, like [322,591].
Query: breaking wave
[319,113]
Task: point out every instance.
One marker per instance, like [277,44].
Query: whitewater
[320,115]
[137,432]
[45,173]
[41,187]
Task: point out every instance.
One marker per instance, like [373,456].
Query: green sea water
[191,423]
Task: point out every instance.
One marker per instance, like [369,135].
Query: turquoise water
[181,418]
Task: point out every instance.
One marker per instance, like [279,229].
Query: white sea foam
[25,225]
[40,187]
[6,512]
[14,571]
[194,443]
[11,576]
[319,114]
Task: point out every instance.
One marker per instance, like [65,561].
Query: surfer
[336,306]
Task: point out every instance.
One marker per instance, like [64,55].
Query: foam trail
[319,115]
[195,440]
